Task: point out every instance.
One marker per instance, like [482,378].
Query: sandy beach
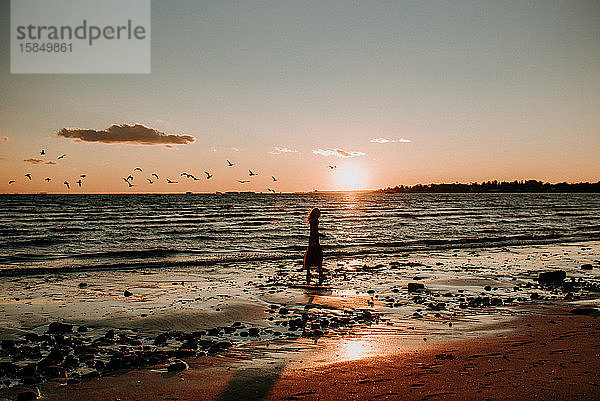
[462,324]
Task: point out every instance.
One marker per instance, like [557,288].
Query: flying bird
[184,175]
[155,175]
[137,169]
[192,177]
[171,182]
[126,179]
[243,181]
[230,164]
[271,190]
[274,179]
[28,176]
[332,167]
[42,152]
[79,182]
[61,156]
[250,173]
[47,179]
[67,184]
[150,181]
[129,184]
[129,177]
[11,182]
[83,175]
[208,175]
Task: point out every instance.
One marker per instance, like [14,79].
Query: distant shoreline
[528,186]
[521,186]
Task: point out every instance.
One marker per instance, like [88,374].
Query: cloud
[384,140]
[39,161]
[277,150]
[5,139]
[338,153]
[137,134]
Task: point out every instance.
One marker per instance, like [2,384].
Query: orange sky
[389,93]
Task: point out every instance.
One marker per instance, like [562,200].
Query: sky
[388,92]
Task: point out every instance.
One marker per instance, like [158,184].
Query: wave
[295,253]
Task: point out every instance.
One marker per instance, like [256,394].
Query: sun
[351,177]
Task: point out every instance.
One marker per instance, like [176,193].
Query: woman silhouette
[314,255]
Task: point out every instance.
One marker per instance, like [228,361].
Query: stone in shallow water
[413,287]
[552,277]
[59,328]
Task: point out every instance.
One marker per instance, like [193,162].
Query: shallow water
[130,231]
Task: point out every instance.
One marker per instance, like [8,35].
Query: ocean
[73,232]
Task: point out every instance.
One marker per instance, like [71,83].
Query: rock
[487,288]
[110,334]
[90,375]
[7,344]
[496,302]
[253,332]
[414,287]
[32,337]
[584,311]
[284,311]
[190,344]
[214,332]
[82,285]
[552,278]
[60,328]
[82,329]
[8,369]
[127,293]
[28,370]
[444,356]
[160,339]
[587,266]
[55,356]
[534,295]
[27,396]
[177,366]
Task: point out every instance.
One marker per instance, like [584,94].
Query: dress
[314,255]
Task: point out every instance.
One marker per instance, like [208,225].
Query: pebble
[177,366]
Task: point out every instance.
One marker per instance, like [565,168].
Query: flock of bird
[153,177]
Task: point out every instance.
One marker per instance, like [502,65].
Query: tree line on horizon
[531,186]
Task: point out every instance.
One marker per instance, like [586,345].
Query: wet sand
[553,357]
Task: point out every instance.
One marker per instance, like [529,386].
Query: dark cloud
[124,133]
[39,161]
